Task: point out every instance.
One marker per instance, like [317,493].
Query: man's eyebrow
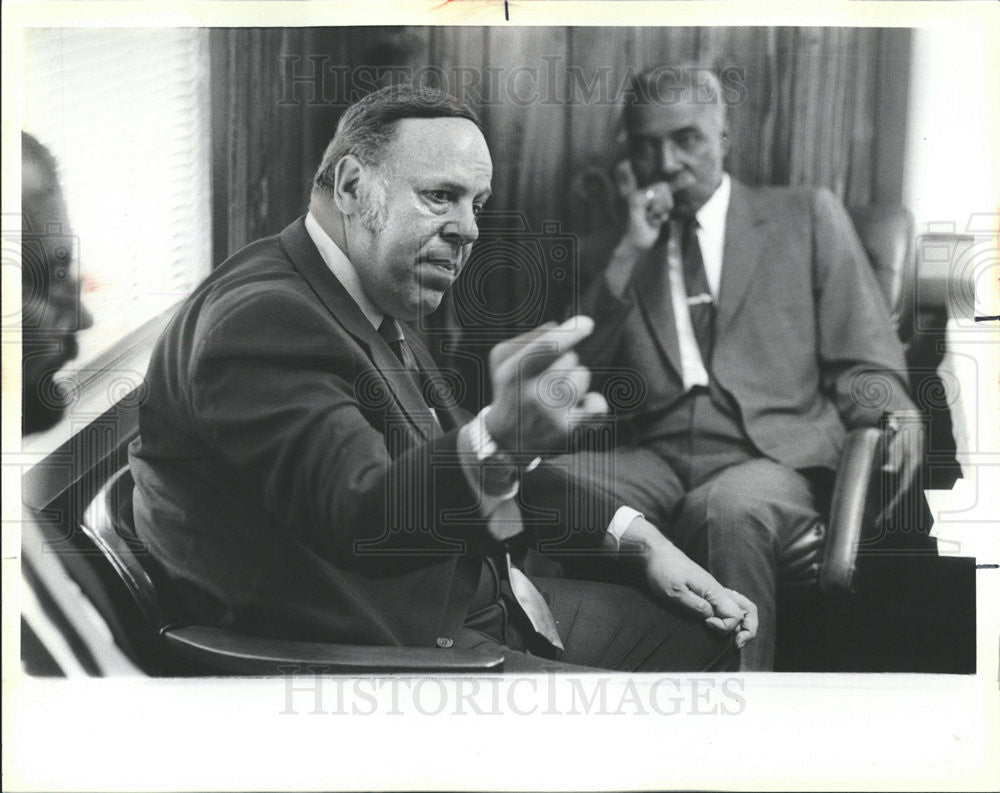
[657,135]
[457,187]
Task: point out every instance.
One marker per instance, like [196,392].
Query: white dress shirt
[711,239]
[342,269]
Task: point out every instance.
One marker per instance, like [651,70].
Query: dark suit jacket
[290,477]
[804,342]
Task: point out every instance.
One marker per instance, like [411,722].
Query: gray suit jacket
[804,341]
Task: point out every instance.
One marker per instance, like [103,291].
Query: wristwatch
[486,448]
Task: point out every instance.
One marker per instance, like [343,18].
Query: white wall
[952,186]
[952,166]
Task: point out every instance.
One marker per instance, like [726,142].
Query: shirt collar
[712,215]
[342,270]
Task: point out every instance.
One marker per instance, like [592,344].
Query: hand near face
[540,390]
[648,207]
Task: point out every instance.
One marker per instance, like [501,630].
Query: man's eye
[686,140]
[477,209]
[439,196]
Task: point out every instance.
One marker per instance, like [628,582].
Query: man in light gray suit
[753,323]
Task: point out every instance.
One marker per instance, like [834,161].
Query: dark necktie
[699,296]
[393,335]
[426,383]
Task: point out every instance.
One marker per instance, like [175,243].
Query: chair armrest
[851,507]
[226,651]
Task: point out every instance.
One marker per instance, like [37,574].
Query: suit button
[444,642]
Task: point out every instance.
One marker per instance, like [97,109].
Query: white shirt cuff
[620,522]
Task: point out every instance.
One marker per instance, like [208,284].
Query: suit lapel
[307,260]
[652,287]
[745,234]
[443,399]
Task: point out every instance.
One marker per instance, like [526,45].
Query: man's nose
[462,227]
[669,162]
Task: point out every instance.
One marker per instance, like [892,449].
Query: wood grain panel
[746,59]
[526,127]
[598,60]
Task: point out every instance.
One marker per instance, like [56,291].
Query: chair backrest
[886,232]
[109,524]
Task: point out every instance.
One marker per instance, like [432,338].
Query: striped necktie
[701,304]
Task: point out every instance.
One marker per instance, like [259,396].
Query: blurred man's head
[51,311]
[399,190]
[678,132]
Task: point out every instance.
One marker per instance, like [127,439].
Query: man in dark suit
[753,324]
[301,474]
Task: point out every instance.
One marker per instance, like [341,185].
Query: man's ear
[347,175]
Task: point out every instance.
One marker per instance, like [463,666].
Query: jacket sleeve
[861,359]
[568,502]
[607,309]
[297,412]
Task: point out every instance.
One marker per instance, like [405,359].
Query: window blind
[126,114]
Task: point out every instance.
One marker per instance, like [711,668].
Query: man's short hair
[671,83]
[368,125]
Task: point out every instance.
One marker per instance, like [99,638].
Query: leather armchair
[886,232]
[150,621]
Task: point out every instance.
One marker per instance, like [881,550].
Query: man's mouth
[680,184]
[443,262]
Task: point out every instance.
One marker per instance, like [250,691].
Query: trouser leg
[636,475]
[736,524]
[604,626]
[610,626]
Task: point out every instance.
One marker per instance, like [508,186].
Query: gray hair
[671,83]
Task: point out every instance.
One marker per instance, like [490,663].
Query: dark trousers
[602,626]
[718,499]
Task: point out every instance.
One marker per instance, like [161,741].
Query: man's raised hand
[540,389]
[648,209]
